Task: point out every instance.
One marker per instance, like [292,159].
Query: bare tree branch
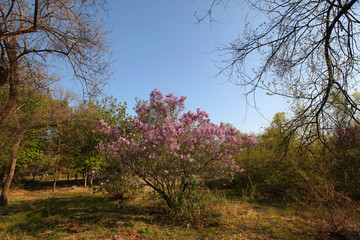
[310,55]
[69,30]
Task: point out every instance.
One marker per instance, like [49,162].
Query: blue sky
[156,44]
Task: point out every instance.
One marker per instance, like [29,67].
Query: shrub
[174,153]
[201,209]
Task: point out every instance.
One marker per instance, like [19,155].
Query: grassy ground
[76,213]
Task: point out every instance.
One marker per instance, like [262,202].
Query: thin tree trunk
[55,173]
[57,161]
[34,175]
[91,179]
[13,153]
[85,178]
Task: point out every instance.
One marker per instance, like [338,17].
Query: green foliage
[271,168]
[112,111]
[344,169]
[30,125]
[281,168]
[198,210]
[80,142]
[32,149]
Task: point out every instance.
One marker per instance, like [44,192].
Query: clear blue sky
[157,45]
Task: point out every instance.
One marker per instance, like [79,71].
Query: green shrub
[201,209]
[120,186]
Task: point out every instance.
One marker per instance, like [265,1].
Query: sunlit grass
[78,213]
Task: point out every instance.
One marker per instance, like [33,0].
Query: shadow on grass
[36,218]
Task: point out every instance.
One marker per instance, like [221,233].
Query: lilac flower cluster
[164,143]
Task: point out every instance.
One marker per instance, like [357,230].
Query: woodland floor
[75,212]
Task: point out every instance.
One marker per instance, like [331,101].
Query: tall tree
[309,53]
[38,30]
[80,148]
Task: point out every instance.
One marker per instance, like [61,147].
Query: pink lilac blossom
[163,140]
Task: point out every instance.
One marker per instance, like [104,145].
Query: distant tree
[345,167]
[81,142]
[32,153]
[310,55]
[36,110]
[272,167]
[33,32]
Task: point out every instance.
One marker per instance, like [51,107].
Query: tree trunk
[91,179]
[60,174]
[55,173]
[57,161]
[42,177]
[34,175]
[167,199]
[85,178]
[13,153]
[14,81]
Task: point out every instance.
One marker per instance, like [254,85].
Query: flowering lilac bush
[174,153]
